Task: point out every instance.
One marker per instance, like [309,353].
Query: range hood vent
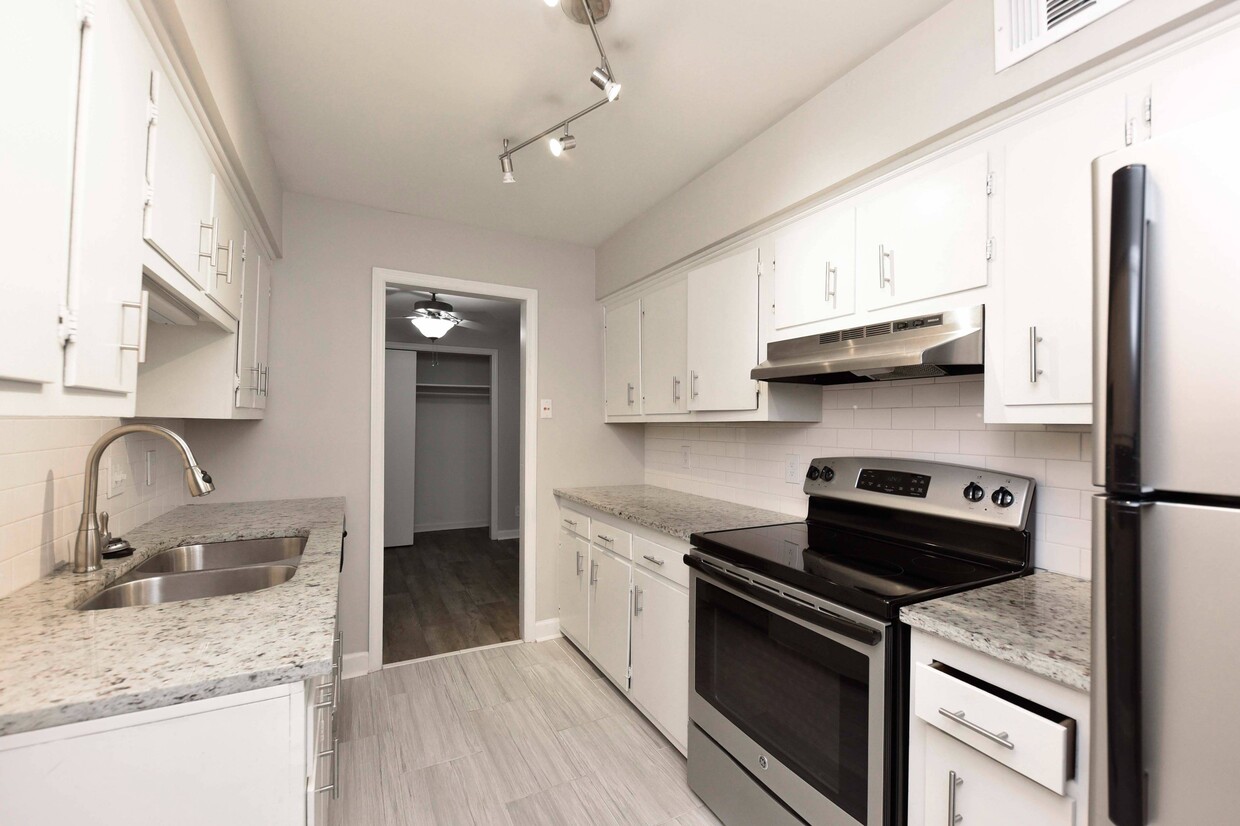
[943,344]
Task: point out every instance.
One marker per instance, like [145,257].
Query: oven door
[794,688]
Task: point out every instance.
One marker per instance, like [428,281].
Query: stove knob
[827,474]
[973,492]
[812,474]
[1003,498]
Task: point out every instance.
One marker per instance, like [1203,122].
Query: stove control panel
[957,491]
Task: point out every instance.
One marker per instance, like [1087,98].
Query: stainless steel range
[798,663]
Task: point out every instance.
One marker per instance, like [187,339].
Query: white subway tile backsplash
[935,420]
[41,478]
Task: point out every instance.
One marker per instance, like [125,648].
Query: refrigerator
[1165,699]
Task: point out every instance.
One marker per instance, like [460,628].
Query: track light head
[505,165]
[562,144]
[600,78]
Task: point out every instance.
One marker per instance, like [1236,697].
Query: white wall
[452,476]
[41,478]
[315,439]
[932,81]
[932,419]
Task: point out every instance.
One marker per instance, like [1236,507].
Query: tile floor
[518,735]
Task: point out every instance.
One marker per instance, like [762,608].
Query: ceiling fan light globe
[433,327]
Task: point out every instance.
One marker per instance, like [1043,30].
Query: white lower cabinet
[660,682]
[609,613]
[965,784]
[571,582]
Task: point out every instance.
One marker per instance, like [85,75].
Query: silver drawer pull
[1001,738]
[570,522]
[606,538]
[653,559]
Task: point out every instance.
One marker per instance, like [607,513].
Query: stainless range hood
[940,344]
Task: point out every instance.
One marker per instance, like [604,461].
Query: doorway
[451,540]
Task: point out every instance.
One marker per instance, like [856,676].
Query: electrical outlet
[686,456]
[792,469]
[545,411]
[117,477]
[150,468]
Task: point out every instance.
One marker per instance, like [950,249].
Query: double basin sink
[210,569]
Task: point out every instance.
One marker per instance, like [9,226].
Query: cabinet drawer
[575,522]
[1030,739]
[667,563]
[612,538]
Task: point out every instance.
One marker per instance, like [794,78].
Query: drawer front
[664,562]
[608,536]
[575,522]
[1027,742]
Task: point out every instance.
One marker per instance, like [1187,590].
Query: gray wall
[315,439]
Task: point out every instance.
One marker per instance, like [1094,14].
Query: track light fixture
[562,144]
[603,77]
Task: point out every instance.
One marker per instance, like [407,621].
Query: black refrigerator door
[1124,330]
[1125,760]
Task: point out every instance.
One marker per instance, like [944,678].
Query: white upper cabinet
[925,234]
[180,220]
[815,267]
[38,61]
[664,349]
[1047,250]
[253,337]
[622,369]
[105,251]
[1196,85]
[723,333]
[225,281]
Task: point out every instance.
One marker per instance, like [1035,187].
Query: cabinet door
[665,349]
[986,793]
[815,267]
[622,332]
[39,61]
[661,652]
[109,178]
[1196,85]
[723,333]
[1047,248]
[571,579]
[180,216]
[247,330]
[609,614]
[224,285]
[262,329]
[924,235]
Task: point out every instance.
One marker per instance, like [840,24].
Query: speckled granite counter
[59,665]
[671,512]
[1040,623]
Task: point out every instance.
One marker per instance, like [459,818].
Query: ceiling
[403,104]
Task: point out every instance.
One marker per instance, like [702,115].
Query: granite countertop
[59,665]
[670,511]
[1039,622]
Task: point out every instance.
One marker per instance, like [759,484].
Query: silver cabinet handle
[1034,341]
[832,278]
[604,538]
[953,781]
[207,241]
[885,257]
[1001,738]
[142,305]
[224,265]
[630,394]
[675,389]
[580,560]
[266,378]
[570,522]
[594,573]
[693,391]
[653,559]
[637,600]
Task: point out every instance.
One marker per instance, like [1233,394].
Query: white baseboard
[450,526]
[547,629]
[356,664]
[515,533]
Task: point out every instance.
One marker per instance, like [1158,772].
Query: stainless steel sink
[214,555]
[152,590]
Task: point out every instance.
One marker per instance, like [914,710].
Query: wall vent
[1024,27]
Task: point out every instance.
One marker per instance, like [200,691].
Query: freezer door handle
[1125,759]
[1127,273]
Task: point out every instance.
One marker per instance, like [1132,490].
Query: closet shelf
[454,389]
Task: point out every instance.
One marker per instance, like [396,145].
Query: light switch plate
[150,468]
[686,456]
[792,468]
[545,411]
[117,477]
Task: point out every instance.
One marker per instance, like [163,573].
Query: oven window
[802,697]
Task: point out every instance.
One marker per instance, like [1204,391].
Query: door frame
[528,522]
[492,357]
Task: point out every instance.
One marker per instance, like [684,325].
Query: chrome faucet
[90,537]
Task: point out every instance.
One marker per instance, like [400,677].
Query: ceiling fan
[432,318]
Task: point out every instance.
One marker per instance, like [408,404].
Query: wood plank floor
[519,735]
[451,591]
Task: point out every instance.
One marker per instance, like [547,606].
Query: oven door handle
[822,619]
